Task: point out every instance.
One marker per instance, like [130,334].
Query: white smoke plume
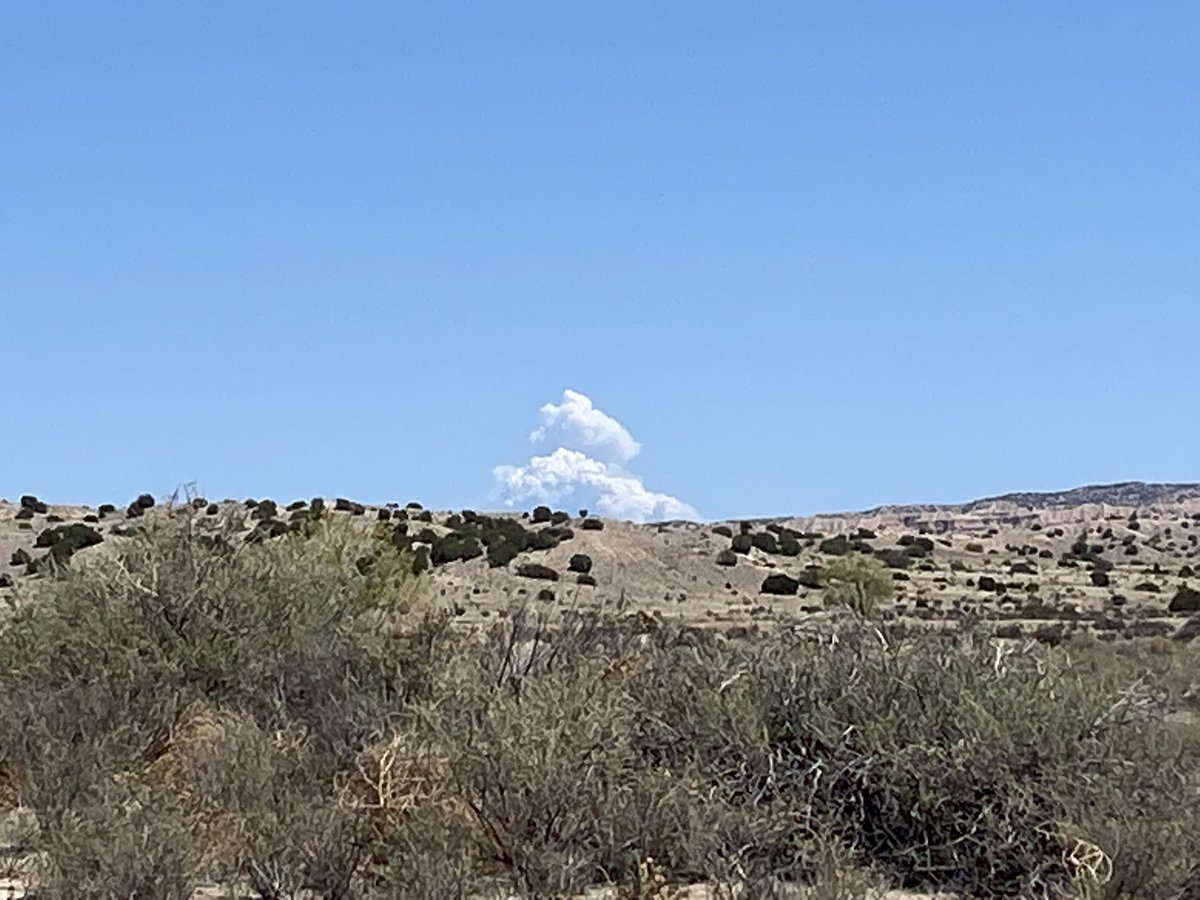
[587,466]
[576,420]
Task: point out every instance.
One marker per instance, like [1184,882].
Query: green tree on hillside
[857,581]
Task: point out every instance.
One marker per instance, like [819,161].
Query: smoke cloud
[588,466]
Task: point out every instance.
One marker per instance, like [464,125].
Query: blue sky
[808,256]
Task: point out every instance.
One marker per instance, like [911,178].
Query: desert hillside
[1119,560]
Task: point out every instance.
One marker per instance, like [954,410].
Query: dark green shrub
[835,546]
[76,536]
[503,537]
[537,570]
[779,583]
[33,504]
[63,541]
[766,542]
[894,558]
[585,579]
[265,509]
[1186,599]
[268,529]
[810,577]
[454,547]
[540,514]
[592,524]
[303,522]
[544,539]
[726,558]
[723,530]
[559,518]
[580,562]
[789,546]
[501,554]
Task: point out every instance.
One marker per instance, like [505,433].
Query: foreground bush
[97,678]
[283,715]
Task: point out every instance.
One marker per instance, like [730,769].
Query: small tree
[858,582]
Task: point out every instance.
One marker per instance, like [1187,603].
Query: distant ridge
[1125,493]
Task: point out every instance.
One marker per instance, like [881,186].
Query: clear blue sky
[811,256]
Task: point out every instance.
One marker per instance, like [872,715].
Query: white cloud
[573,471]
[562,474]
[577,422]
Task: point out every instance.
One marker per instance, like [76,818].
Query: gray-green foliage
[858,582]
[192,709]
[94,678]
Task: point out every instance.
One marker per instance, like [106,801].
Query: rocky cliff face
[1021,510]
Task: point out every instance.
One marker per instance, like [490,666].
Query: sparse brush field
[195,714]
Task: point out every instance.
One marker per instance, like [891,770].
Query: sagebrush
[295,715]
